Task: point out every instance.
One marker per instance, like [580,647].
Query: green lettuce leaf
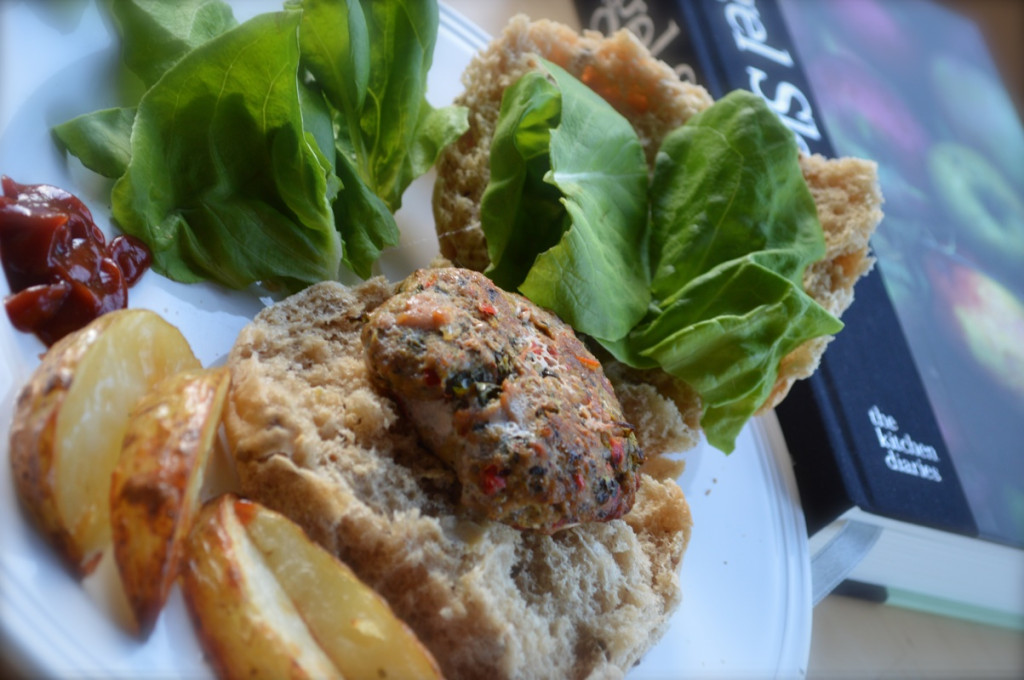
[733,227]
[226,179]
[101,139]
[699,274]
[366,224]
[401,134]
[155,34]
[727,185]
[387,130]
[335,45]
[220,199]
[565,213]
[725,336]
[522,215]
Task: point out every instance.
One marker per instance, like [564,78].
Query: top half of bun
[655,100]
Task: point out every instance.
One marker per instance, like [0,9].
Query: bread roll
[315,440]
[653,98]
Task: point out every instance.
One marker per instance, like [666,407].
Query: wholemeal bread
[650,95]
[314,439]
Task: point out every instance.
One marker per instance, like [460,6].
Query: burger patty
[508,396]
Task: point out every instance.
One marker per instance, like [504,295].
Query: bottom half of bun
[313,439]
[489,600]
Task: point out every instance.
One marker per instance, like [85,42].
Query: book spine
[860,430]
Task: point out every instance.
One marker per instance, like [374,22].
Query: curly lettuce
[727,228]
[271,151]
[565,212]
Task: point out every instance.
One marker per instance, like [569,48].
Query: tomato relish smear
[61,271]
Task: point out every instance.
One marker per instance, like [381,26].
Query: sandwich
[500,478]
[316,438]
[655,103]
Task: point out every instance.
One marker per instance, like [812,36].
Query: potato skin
[154,488]
[267,601]
[69,420]
[32,440]
[351,622]
[238,636]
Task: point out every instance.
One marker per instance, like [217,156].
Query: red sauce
[61,271]
[491,480]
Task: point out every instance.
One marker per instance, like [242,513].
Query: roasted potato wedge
[154,491]
[246,623]
[71,416]
[353,624]
[269,602]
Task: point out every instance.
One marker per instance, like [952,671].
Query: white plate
[746,607]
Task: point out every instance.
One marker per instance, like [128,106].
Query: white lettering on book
[633,15]
[751,35]
[902,453]
[802,123]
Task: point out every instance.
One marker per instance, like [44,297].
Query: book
[908,442]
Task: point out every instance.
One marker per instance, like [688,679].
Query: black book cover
[912,85]
[862,431]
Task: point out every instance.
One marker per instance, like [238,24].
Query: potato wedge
[246,623]
[269,602]
[353,624]
[154,490]
[71,416]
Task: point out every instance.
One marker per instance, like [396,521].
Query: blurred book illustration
[908,444]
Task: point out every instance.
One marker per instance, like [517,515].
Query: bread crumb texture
[314,440]
[653,98]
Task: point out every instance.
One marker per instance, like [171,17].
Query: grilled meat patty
[509,397]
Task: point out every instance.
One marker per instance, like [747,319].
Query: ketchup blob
[61,271]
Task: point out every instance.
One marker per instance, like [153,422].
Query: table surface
[853,638]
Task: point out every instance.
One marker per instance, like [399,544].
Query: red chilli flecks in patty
[509,397]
